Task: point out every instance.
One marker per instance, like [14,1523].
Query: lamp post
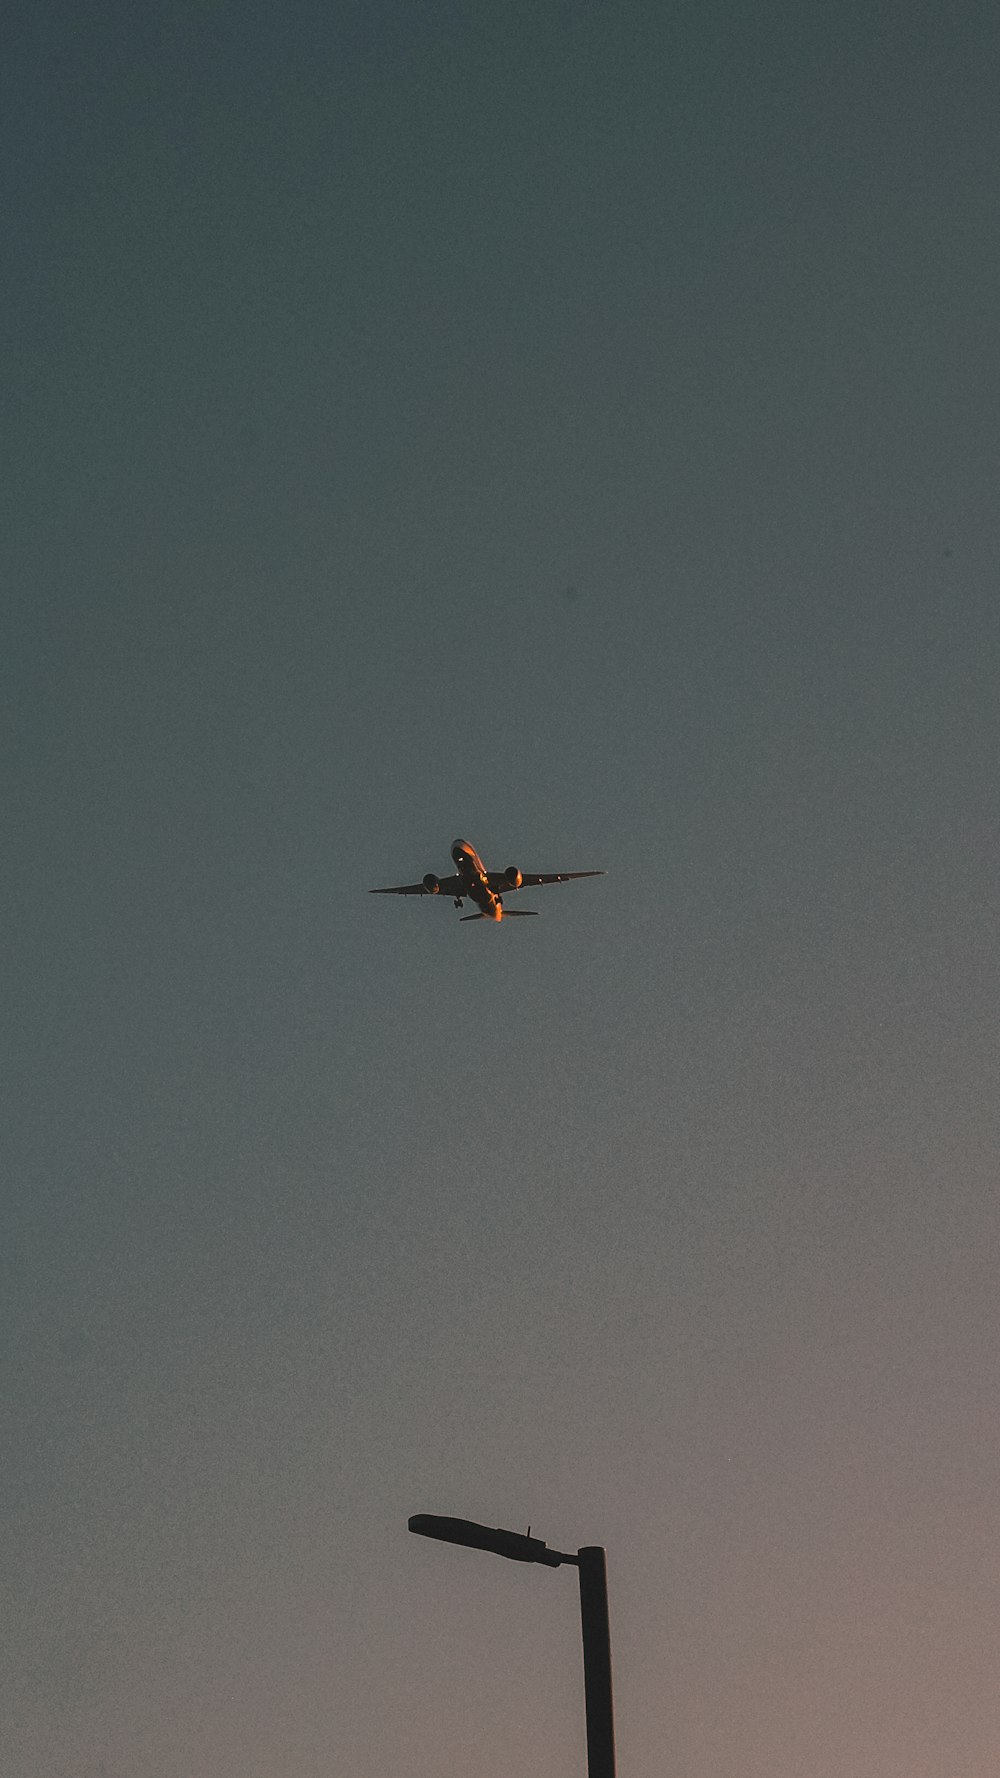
[593,1570]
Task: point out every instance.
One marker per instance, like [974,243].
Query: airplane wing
[534,879]
[446,886]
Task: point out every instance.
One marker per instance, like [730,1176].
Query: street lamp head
[512,1544]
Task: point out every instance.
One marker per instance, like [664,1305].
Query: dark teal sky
[573,427]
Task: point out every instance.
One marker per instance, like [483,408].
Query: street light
[593,1568]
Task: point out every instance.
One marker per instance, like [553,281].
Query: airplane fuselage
[471,872]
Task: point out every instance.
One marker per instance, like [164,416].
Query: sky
[572,427]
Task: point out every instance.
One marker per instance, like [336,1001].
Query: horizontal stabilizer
[508,914]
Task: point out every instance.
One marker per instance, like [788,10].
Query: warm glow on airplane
[485,888]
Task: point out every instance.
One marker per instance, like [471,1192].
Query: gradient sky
[575,427]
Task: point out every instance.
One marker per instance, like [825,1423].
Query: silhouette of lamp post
[592,1565]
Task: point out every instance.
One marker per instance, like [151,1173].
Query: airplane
[486,888]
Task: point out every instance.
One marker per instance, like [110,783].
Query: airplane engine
[431,884]
[513,876]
